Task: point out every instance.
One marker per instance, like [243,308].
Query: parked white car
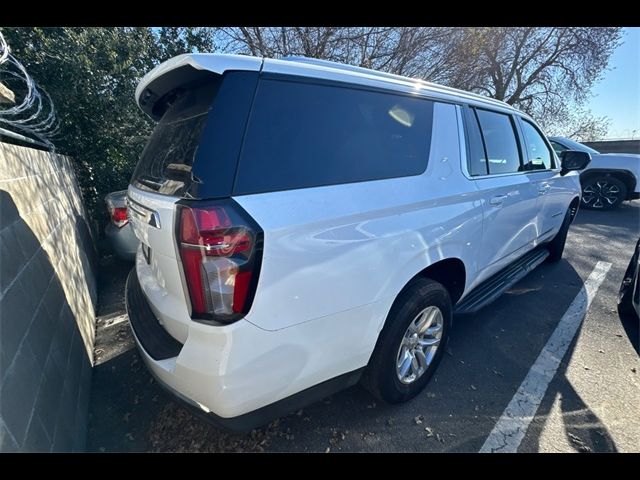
[610,178]
[305,225]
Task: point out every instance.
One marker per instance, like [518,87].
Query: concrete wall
[47,300]
[616,146]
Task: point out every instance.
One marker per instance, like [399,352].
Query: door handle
[498,199]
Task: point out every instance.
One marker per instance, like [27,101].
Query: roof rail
[393,76]
[352,68]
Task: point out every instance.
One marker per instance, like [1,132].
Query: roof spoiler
[185,69]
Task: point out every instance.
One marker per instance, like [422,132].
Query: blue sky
[617,95]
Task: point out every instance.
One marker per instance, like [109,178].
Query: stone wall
[47,300]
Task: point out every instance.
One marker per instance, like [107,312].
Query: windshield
[573,145]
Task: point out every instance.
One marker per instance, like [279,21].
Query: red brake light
[220,258]
[119,216]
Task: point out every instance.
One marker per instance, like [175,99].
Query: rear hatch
[190,156]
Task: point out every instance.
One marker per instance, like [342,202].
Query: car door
[544,174]
[509,199]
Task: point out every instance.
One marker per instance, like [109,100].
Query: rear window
[193,151]
[305,135]
[165,164]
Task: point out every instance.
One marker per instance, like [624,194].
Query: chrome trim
[150,217]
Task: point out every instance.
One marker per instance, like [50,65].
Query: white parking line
[514,422]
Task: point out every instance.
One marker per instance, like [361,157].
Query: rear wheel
[411,344]
[603,193]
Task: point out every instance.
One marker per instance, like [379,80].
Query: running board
[491,289]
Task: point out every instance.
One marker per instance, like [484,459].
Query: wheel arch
[625,176]
[450,272]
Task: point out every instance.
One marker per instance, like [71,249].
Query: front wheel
[625,295]
[556,246]
[603,193]
[411,343]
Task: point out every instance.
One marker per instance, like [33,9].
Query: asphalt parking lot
[590,404]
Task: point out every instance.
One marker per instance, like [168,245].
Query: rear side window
[500,142]
[304,135]
[538,151]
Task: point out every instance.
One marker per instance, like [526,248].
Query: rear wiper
[150,183]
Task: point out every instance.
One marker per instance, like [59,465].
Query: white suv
[305,225]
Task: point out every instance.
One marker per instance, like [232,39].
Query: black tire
[556,246]
[381,378]
[603,192]
[625,295]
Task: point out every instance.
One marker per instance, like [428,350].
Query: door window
[538,151]
[500,142]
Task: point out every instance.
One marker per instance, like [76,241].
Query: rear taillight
[119,216]
[220,247]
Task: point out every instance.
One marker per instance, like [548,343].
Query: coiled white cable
[35,115]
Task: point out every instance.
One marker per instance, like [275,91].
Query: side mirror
[573,160]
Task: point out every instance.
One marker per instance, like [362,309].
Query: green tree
[91,75]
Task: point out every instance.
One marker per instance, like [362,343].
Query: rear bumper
[122,240]
[198,373]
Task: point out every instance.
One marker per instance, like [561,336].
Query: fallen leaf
[418,419]
[429,431]
[473,387]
